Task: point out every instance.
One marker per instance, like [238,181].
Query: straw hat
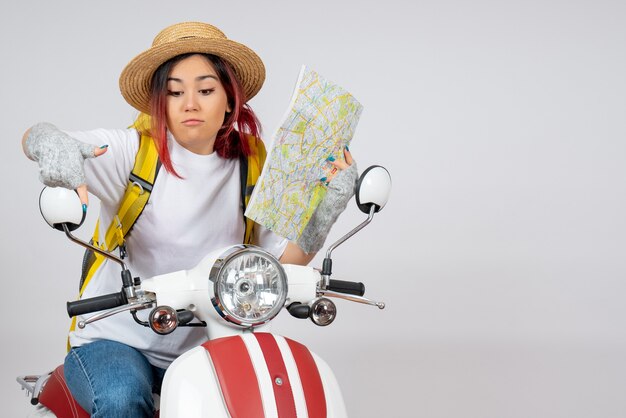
[183,38]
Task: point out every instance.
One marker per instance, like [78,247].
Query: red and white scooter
[242,370]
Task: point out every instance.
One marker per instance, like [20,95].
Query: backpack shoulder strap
[140,183]
[250,168]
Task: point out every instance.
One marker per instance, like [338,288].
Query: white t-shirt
[183,221]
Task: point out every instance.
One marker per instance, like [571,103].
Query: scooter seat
[56,397]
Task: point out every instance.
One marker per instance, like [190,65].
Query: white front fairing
[191,387]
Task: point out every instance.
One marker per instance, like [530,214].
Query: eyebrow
[199,78]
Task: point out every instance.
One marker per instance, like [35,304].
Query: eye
[174,93]
[206,92]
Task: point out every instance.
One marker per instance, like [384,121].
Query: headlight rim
[221,262]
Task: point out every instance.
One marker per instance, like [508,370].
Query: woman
[194,83]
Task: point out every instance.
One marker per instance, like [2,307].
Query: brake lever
[352,298]
[141,303]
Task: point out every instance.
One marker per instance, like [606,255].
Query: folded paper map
[319,123]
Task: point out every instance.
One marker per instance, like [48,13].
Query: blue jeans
[110,379]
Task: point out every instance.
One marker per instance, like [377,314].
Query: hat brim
[137,75]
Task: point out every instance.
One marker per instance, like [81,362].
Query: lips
[192,122]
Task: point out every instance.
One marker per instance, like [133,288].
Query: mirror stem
[351,233]
[93,248]
[327,265]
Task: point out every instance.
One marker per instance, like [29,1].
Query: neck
[200,149]
[197,146]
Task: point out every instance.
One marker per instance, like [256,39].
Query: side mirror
[60,206]
[373,189]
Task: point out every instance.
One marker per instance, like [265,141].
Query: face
[196,104]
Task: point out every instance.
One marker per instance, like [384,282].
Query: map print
[319,123]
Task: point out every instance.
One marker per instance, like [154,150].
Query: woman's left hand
[340,180]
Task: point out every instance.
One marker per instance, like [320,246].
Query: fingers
[347,155]
[82,189]
[83,196]
[329,174]
[100,150]
[335,166]
[339,164]
[342,164]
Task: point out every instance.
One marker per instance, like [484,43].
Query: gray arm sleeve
[339,192]
[60,156]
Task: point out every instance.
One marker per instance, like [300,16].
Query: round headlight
[249,285]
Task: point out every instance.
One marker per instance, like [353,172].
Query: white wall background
[501,252]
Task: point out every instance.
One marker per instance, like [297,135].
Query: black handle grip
[99,303]
[351,288]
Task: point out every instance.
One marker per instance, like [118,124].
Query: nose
[191,103]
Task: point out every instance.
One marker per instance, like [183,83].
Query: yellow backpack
[138,190]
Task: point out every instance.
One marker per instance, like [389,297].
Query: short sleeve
[270,241]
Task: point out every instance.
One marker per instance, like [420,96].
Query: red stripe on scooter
[285,403]
[237,377]
[311,381]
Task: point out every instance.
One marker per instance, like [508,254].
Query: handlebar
[350,288]
[98,303]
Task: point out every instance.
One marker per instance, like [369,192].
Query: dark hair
[231,139]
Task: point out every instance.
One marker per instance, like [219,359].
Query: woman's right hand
[60,157]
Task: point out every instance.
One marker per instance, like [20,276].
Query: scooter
[242,370]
